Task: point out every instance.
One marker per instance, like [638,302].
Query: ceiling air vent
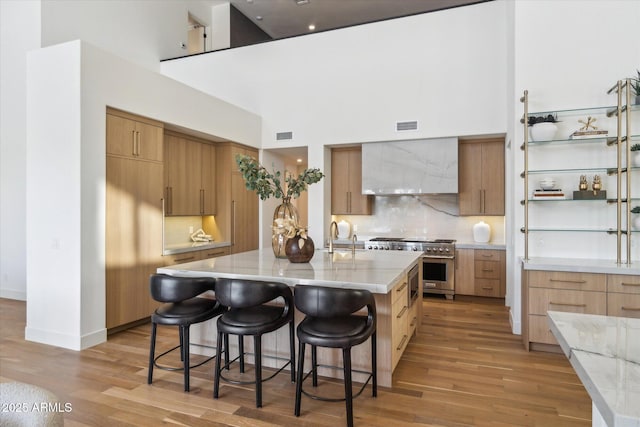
[281,136]
[402,126]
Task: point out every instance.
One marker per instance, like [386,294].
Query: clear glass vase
[285,212]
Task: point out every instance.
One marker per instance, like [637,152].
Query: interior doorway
[196,35]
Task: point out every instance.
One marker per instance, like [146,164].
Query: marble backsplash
[422,216]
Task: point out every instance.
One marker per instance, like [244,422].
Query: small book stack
[584,134]
[554,194]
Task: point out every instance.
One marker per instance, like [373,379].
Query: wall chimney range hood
[422,166]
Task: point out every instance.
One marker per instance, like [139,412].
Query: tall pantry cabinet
[237,215]
[134,172]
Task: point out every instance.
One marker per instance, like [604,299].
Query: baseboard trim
[13,294]
[71,342]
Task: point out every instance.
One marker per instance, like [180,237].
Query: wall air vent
[402,126]
[281,136]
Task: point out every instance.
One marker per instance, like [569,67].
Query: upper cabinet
[346,183]
[481,176]
[189,176]
[133,136]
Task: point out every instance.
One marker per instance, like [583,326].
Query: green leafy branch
[257,178]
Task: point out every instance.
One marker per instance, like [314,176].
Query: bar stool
[330,322]
[182,308]
[252,312]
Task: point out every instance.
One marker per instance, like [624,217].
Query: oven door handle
[438,257]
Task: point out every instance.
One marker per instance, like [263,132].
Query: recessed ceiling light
[299,160]
[301,2]
[312,27]
[259,18]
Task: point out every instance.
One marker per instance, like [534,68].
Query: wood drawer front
[567,280]
[181,258]
[213,253]
[487,255]
[540,331]
[400,292]
[623,283]
[413,317]
[487,287]
[487,269]
[543,300]
[399,329]
[623,305]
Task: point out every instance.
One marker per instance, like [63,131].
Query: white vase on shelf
[635,158]
[481,232]
[544,131]
[635,222]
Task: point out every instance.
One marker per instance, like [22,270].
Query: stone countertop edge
[577,265]
[192,247]
[583,364]
[475,245]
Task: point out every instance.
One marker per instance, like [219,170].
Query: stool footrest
[231,362]
[332,399]
[177,368]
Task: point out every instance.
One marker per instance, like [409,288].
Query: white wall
[19,32]
[70,86]
[144,32]
[445,69]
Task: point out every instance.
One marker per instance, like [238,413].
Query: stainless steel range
[438,262]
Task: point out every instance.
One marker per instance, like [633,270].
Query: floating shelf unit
[622,172]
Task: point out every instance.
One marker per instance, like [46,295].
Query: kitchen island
[605,353]
[385,274]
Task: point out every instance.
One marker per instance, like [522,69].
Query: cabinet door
[340,182]
[133,237]
[182,176]
[464,278]
[136,139]
[208,185]
[244,216]
[470,178]
[493,178]
[359,204]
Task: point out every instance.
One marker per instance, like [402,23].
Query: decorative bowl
[547,184]
[545,131]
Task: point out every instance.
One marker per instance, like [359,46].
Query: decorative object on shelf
[635,155]
[588,130]
[636,218]
[584,186]
[547,183]
[542,128]
[200,236]
[344,229]
[481,232]
[299,246]
[596,192]
[267,184]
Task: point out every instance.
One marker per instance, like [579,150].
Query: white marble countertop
[581,265]
[372,270]
[605,353]
[180,248]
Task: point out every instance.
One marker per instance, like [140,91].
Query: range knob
[441,250]
[446,250]
[370,247]
[414,248]
[386,248]
[428,249]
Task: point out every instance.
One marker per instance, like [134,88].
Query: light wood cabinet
[196,255]
[481,272]
[346,183]
[189,176]
[133,239]
[623,295]
[399,319]
[237,213]
[481,176]
[465,270]
[558,291]
[134,137]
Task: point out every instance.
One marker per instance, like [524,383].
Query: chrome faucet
[333,232]
[354,239]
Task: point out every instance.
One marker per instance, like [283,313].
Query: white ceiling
[288,18]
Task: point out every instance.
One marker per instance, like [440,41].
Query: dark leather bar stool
[331,322]
[253,312]
[182,308]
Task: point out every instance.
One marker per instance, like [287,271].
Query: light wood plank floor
[464,369]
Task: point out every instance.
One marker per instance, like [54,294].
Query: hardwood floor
[464,369]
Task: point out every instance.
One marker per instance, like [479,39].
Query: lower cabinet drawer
[623,305]
[399,329]
[181,258]
[542,300]
[623,283]
[540,331]
[487,287]
[487,270]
